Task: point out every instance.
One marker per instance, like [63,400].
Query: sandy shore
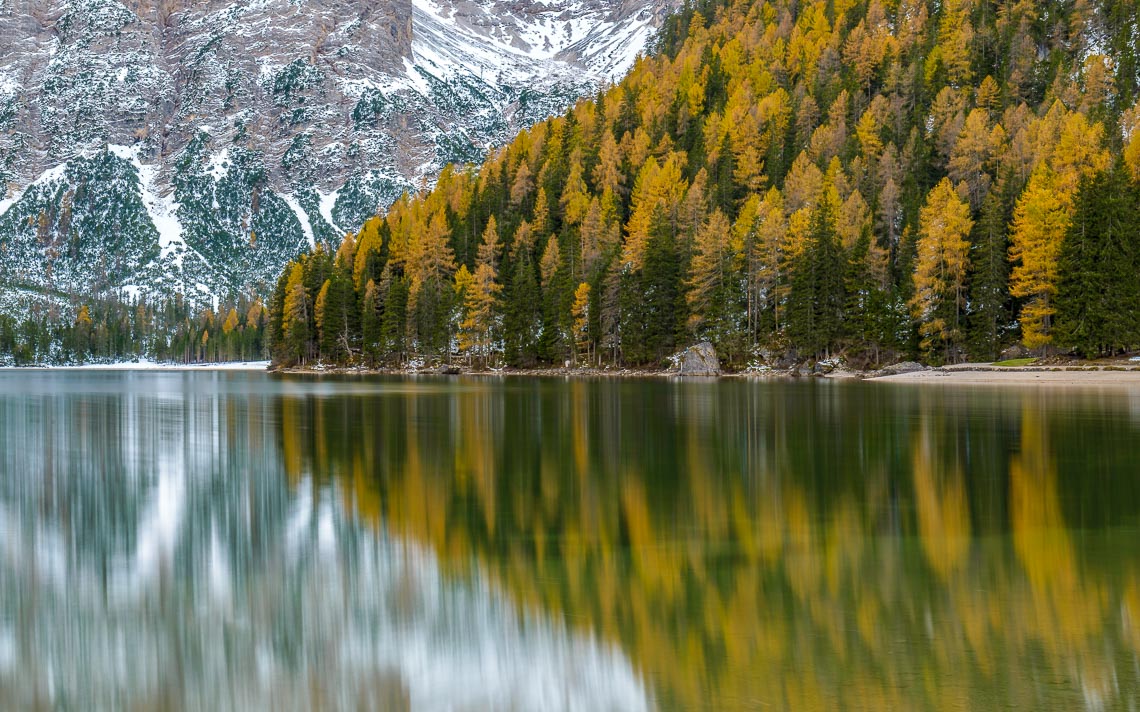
[986,374]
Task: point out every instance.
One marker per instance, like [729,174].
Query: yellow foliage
[1040,222]
[941,262]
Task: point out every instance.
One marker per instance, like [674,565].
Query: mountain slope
[230,136]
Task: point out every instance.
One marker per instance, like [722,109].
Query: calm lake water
[237,540]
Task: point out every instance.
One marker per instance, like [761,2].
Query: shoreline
[988,375]
[1065,374]
[149,366]
[1072,374]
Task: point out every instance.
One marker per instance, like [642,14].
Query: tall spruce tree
[815,309]
[371,322]
[523,309]
[650,296]
[990,308]
[1098,296]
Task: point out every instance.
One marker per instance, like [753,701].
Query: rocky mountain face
[175,146]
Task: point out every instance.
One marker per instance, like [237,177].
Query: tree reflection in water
[801,546]
[543,543]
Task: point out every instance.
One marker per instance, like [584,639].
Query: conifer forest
[876,179]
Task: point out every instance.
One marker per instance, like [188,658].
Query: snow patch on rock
[302,216]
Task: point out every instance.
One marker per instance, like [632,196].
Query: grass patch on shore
[1013,362]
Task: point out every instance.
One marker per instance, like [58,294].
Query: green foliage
[991,312]
[1098,298]
[816,305]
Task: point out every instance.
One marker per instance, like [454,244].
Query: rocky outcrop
[904,367]
[698,360]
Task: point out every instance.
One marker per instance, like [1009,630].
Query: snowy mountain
[170,146]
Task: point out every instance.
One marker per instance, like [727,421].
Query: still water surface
[238,540]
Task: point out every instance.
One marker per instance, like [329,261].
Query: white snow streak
[302,217]
[328,202]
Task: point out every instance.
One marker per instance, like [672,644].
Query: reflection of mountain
[151,553]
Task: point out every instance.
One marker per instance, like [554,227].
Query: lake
[237,540]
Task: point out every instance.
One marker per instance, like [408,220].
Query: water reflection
[153,555]
[230,540]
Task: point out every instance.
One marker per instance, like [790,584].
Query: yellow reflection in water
[779,579]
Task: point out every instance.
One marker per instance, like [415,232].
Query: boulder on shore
[904,367]
[698,360]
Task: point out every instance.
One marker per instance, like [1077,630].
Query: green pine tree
[990,309]
[1098,296]
[815,309]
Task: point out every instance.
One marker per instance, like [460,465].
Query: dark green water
[239,541]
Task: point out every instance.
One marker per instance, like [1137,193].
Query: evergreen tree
[431,263]
[1098,296]
[295,317]
[395,317]
[650,297]
[554,270]
[337,318]
[371,322]
[523,309]
[277,346]
[989,274]
[816,300]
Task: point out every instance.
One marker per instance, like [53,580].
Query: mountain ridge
[249,133]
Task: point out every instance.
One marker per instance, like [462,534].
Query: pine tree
[652,297]
[989,274]
[580,312]
[523,308]
[816,300]
[295,317]
[1098,294]
[555,307]
[83,328]
[431,264]
[850,115]
[395,317]
[278,349]
[337,318]
[371,322]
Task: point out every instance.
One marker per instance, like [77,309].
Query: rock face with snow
[170,145]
